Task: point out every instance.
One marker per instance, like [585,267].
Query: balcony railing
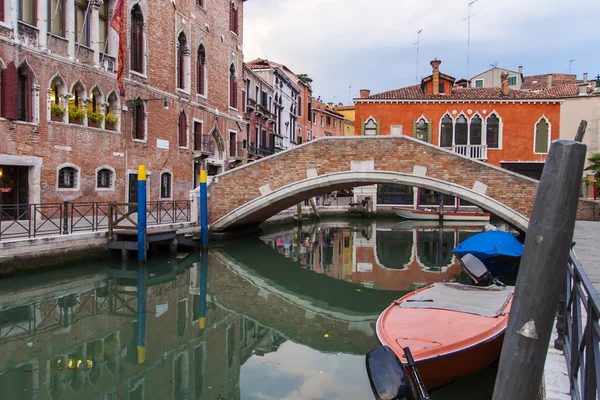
[251,104]
[477,152]
[203,144]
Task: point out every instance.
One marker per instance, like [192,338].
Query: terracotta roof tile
[540,82]
[414,92]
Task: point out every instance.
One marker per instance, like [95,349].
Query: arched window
[370,127]
[111,118]
[201,86]
[232,87]
[182,62]
[233,18]
[76,104]
[422,129]
[475,133]
[542,136]
[138,123]
[105,178]
[493,131]
[446,131]
[137,52]
[68,178]
[461,131]
[165,185]
[182,129]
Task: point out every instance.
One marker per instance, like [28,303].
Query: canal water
[287,314]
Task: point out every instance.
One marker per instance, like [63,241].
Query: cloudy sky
[370,44]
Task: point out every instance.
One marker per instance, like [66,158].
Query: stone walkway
[587,249]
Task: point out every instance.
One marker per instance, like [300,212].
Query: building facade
[259,106]
[509,128]
[492,78]
[285,102]
[72,137]
[325,120]
[349,113]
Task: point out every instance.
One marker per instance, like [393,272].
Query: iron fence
[579,332]
[35,220]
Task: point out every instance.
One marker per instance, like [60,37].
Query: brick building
[325,120]
[70,136]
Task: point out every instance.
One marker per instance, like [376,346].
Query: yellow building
[348,112]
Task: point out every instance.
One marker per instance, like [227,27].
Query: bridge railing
[579,332]
[24,221]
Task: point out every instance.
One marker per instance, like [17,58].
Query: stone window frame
[187,131]
[145,124]
[113,179]
[182,64]
[62,94]
[77,178]
[535,133]
[500,129]
[203,95]
[232,86]
[452,120]
[371,119]
[33,98]
[144,40]
[160,186]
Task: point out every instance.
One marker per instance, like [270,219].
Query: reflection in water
[246,322]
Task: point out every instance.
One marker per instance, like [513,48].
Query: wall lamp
[134,103]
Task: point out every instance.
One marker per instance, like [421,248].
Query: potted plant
[95,119]
[110,121]
[56,112]
[76,115]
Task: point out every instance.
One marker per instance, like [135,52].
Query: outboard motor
[389,378]
[477,271]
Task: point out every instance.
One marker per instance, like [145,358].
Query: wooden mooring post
[541,274]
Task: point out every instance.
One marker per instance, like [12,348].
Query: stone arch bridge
[248,195]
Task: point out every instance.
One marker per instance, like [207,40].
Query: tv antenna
[417,43]
[468,19]
[350,95]
[571,62]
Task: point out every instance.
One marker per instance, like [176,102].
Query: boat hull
[435,216]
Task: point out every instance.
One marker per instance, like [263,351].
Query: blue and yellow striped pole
[140,334]
[141,213]
[203,288]
[203,209]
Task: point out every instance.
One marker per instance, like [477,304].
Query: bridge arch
[268,204]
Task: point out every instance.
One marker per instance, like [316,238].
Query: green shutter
[429,132]
[362,128]
[378,129]
[414,131]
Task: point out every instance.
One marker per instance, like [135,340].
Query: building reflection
[386,255]
[129,333]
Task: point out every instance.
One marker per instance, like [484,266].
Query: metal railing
[477,152]
[579,332]
[35,220]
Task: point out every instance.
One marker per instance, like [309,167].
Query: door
[14,192]
[133,191]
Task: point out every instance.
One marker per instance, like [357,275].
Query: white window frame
[113,179]
[500,130]
[77,178]
[482,82]
[186,65]
[160,197]
[543,117]
[516,80]
[375,122]
[448,113]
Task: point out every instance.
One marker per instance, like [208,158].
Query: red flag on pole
[118,24]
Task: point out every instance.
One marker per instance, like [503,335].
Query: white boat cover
[487,301]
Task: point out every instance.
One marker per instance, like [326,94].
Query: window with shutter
[542,136]
[2,11]
[137,40]
[232,87]
[197,136]
[10,92]
[137,125]
[182,130]
[181,62]
[201,71]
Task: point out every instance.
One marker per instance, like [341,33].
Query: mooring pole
[203,209]
[140,333]
[203,287]
[141,213]
[441,208]
[542,272]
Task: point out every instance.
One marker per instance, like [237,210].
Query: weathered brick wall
[90,148]
[398,154]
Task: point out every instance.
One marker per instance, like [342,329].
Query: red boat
[451,329]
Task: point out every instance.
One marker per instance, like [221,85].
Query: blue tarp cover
[490,244]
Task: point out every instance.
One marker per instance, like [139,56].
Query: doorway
[14,191]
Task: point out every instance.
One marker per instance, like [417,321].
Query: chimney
[504,83]
[435,64]
[330,104]
[549,77]
[364,93]
[585,77]
[521,69]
